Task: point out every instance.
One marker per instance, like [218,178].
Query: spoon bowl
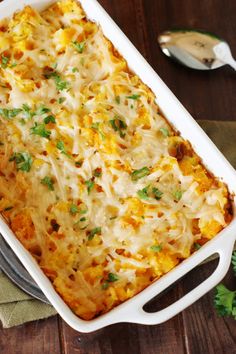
[196,49]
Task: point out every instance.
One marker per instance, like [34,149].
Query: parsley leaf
[61,146]
[60,84]
[143,193]
[178,194]
[93,232]
[118,125]
[61,100]
[157,193]
[5,61]
[9,113]
[112,277]
[79,46]
[74,70]
[28,113]
[90,185]
[137,174]
[47,181]
[49,119]
[133,97]
[156,248]
[74,209]
[225,301]
[40,129]
[23,161]
[196,246]
[42,110]
[165,132]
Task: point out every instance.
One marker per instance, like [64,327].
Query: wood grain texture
[207,95]
[39,337]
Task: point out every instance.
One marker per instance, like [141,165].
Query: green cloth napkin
[16,307]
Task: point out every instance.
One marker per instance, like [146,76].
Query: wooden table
[207,95]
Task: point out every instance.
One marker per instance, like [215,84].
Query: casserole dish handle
[139,315]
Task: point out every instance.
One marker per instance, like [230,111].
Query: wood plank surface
[207,95]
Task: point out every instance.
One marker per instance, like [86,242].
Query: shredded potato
[93,180]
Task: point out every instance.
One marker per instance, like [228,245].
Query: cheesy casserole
[94,182]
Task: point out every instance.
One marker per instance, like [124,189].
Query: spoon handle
[223,53]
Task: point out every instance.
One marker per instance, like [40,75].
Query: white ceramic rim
[132,310]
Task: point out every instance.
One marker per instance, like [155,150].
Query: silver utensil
[13,268]
[196,49]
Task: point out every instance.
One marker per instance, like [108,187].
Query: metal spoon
[196,49]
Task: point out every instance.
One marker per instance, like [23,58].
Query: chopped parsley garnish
[157,193]
[137,174]
[13,65]
[42,110]
[83,211]
[117,99]
[74,70]
[60,84]
[9,113]
[61,146]
[165,132]
[146,193]
[111,278]
[49,119]
[74,209]
[178,195]
[143,193]
[5,61]
[79,46]
[23,161]
[90,185]
[93,232]
[156,248]
[47,181]
[82,219]
[133,97]
[197,246]
[40,129]
[118,125]
[61,100]
[28,113]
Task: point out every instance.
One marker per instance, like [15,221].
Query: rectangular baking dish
[132,310]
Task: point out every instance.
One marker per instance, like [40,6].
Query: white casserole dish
[132,310]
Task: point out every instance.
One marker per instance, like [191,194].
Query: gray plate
[13,268]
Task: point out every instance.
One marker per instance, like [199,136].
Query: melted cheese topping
[93,180]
